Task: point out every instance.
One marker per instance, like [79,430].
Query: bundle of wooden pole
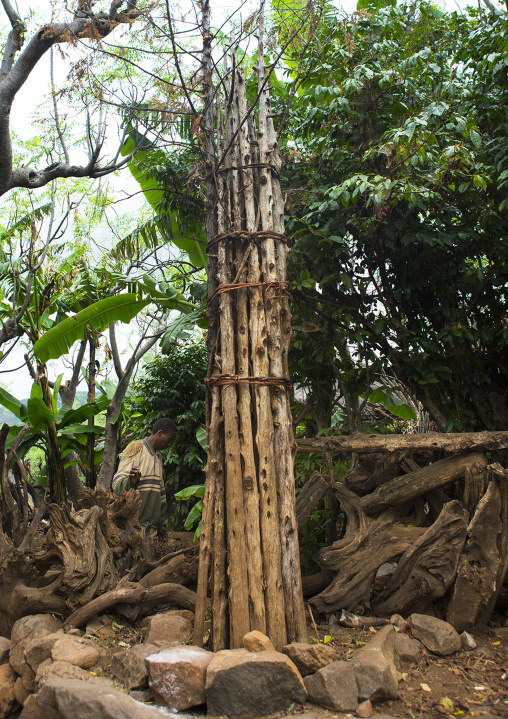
[249,558]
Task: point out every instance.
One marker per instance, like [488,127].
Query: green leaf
[201,437]
[58,340]
[39,416]
[346,280]
[82,429]
[80,414]
[194,515]
[107,387]
[197,533]
[56,388]
[479,181]
[196,490]
[12,404]
[404,411]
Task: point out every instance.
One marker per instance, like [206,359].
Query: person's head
[163,433]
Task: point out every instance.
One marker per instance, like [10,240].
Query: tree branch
[14,39]
[68,390]
[93,27]
[114,351]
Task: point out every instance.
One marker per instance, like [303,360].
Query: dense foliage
[397,209]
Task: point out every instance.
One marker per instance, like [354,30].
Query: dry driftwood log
[402,489]
[356,557]
[182,569]
[483,564]
[368,471]
[428,567]
[314,583]
[315,489]
[453,443]
[147,599]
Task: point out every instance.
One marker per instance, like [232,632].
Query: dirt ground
[467,684]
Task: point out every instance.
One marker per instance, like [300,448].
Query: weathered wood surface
[315,489]
[355,558]
[147,599]
[483,563]
[382,541]
[249,489]
[400,490]
[428,567]
[182,569]
[453,442]
[312,584]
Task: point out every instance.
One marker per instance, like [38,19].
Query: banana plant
[69,423]
[196,490]
[170,224]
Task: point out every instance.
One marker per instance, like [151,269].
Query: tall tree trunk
[249,521]
[91,473]
[56,472]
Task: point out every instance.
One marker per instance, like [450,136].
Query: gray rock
[141,695]
[39,649]
[41,623]
[32,710]
[129,667]
[178,675]
[242,684]
[309,657]
[501,632]
[80,655]
[333,687]
[438,636]
[74,699]
[406,649]
[468,643]
[365,709]
[399,622]
[375,672]
[23,632]
[7,695]
[5,645]
[383,575]
[256,641]
[49,671]
[168,628]
[20,691]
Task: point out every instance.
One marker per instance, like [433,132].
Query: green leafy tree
[397,179]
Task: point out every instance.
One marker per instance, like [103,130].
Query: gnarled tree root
[145,600]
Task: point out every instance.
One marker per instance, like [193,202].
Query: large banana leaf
[82,429]
[80,414]
[26,221]
[13,405]
[39,415]
[167,226]
[59,339]
[161,293]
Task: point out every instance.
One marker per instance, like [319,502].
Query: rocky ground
[42,671]
[465,684]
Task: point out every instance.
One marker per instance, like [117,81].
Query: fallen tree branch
[170,594]
[453,443]
[402,489]
[314,490]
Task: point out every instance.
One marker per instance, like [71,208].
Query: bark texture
[249,520]
[454,443]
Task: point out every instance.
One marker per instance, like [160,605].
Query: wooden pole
[249,520]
